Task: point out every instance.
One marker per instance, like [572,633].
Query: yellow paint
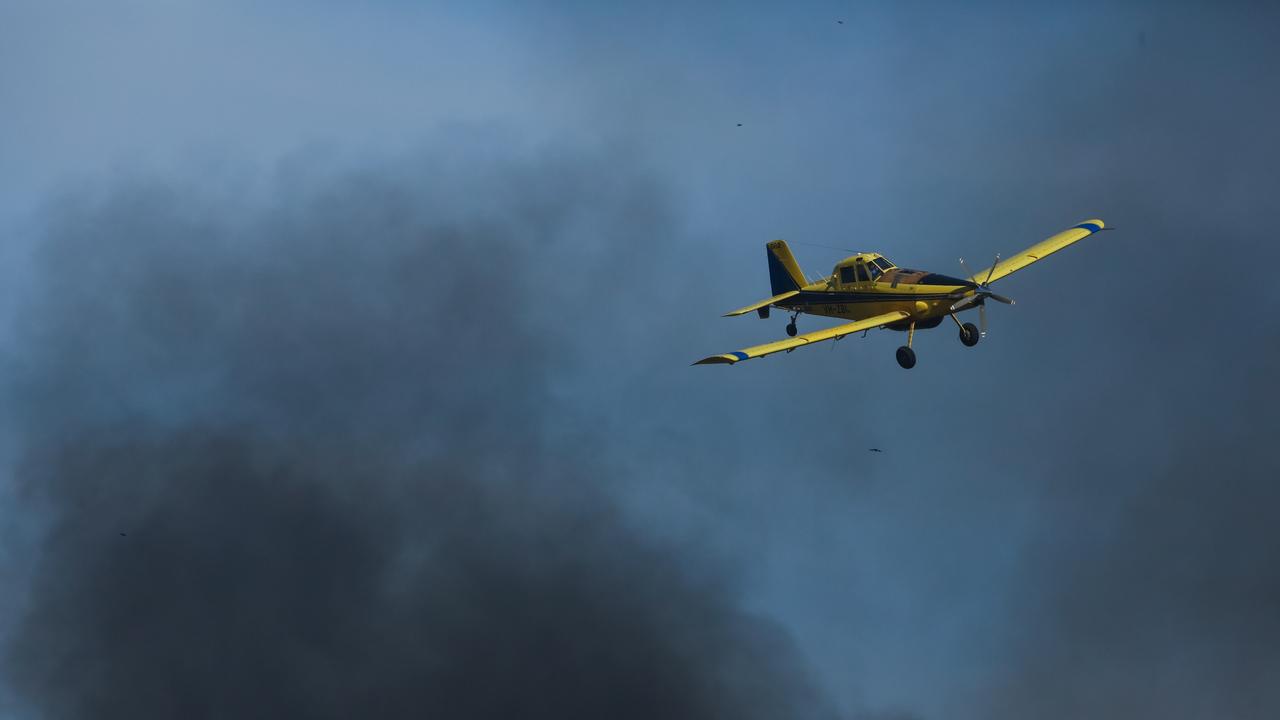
[776,299]
[1037,252]
[783,253]
[832,333]
[867,304]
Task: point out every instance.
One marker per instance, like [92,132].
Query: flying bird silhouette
[874,450]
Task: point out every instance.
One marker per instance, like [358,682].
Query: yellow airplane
[875,293]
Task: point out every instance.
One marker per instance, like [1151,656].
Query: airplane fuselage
[926,297]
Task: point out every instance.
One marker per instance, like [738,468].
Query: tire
[969,334]
[906,357]
[791,329]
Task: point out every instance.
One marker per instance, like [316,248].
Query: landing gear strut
[791,326]
[907,356]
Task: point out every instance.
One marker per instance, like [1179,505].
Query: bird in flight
[874,450]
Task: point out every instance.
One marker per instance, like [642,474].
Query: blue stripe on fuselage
[835,298]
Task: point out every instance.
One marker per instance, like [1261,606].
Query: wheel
[969,334]
[906,357]
[791,328]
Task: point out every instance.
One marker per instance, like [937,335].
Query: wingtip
[725,359]
[717,360]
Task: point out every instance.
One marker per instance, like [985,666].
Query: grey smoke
[284,478]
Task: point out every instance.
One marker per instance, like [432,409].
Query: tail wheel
[906,357]
[791,328]
[969,334]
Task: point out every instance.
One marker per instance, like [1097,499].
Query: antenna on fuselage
[828,247]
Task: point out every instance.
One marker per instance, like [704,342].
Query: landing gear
[791,326]
[969,333]
[907,356]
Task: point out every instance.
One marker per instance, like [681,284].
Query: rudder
[784,271]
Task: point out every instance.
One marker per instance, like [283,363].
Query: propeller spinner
[980,295]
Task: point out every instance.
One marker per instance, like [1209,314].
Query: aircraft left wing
[830,333]
[1039,251]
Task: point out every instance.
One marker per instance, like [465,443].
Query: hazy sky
[484,241]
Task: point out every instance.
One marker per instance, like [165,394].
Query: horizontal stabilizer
[763,303]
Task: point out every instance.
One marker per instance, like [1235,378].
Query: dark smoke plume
[294,460]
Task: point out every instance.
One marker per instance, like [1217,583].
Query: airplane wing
[762,303]
[831,333]
[1039,251]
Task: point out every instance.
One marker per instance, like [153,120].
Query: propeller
[980,295]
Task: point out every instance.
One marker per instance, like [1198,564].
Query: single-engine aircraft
[874,293]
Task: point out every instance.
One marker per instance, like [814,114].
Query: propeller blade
[982,320]
[1000,298]
[992,270]
[965,302]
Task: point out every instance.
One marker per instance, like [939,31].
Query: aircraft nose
[940,279]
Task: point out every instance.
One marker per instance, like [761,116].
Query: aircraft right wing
[1039,251]
[830,333]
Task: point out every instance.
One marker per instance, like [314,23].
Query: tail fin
[784,272]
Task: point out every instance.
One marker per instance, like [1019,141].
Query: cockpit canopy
[866,267]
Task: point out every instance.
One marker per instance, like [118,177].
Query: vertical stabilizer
[784,271]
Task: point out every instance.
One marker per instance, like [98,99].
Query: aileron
[1037,252]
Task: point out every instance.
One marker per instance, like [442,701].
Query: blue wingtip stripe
[739,355]
[1091,227]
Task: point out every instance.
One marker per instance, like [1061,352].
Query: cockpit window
[846,274]
[875,271]
[862,272]
[884,264]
